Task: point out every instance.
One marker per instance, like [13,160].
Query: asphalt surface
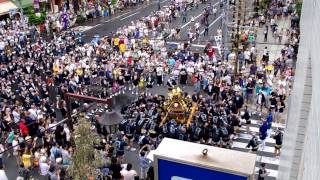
[104,26]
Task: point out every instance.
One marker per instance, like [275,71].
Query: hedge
[36,20]
[299,8]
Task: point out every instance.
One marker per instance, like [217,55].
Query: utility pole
[237,45]
[21,14]
[226,21]
[236,37]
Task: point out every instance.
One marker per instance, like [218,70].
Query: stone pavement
[274,47]
[272,43]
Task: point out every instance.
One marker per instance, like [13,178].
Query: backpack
[254,142]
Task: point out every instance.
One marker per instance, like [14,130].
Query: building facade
[300,158]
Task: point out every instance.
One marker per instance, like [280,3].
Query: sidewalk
[274,48]
[272,44]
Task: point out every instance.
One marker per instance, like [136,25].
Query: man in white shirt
[16,115]
[3,175]
[33,112]
[2,45]
[128,173]
[1,155]
[214,11]
[247,55]
[43,165]
[67,132]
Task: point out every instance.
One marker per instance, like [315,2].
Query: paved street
[104,26]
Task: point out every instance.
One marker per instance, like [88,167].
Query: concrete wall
[300,158]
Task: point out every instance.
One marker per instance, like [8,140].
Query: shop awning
[6,7]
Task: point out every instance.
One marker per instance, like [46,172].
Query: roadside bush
[35,20]
[263,4]
[28,10]
[299,8]
[80,19]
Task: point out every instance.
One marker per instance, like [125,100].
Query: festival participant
[253,143]
[263,134]
[150,82]
[144,162]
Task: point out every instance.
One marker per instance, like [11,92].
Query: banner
[176,171]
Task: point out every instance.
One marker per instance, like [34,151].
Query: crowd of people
[36,72]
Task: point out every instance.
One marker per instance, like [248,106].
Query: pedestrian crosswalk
[265,155]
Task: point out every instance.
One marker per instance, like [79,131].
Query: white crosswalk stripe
[248,137]
[265,155]
[272,173]
[268,160]
[266,149]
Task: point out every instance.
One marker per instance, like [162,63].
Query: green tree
[299,8]
[86,159]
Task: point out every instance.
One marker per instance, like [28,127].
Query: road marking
[272,173]
[254,130]
[190,21]
[195,45]
[118,17]
[212,23]
[142,7]
[130,16]
[197,17]
[268,160]
[248,137]
[241,145]
[96,25]
[82,28]
[275,125]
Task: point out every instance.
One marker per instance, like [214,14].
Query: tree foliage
[299,8]
[35,20]
[86,159]
[263,4]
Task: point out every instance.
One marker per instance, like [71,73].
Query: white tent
[6,7]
